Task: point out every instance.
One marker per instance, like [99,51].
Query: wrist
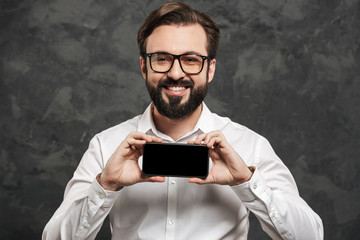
[246,177]
[107,185]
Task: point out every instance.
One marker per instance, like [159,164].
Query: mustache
[172,82]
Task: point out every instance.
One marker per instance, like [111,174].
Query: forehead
[178,39]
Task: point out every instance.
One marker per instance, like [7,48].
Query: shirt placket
[171,209]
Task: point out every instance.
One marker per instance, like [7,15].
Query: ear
[143,67]
[212,69]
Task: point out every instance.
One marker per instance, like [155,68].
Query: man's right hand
[122,169]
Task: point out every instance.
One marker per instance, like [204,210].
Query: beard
[174,109]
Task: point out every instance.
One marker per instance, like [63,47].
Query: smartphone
[175,160]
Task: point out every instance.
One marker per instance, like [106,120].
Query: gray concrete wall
[288,69]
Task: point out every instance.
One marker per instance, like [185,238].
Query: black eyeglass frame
[178,58]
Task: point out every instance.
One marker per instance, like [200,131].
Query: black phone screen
[178,160]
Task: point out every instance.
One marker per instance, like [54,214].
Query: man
[178,47]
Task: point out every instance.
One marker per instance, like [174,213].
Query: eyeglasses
[189,63]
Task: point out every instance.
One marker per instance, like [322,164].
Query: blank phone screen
[179,160]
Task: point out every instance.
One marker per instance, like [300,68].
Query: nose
[176,72]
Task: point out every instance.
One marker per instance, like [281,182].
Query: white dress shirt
[176,209]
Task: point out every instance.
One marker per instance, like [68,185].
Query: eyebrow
[189,52]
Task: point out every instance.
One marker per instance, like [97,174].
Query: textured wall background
[288,69]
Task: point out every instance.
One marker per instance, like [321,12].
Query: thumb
[199,181]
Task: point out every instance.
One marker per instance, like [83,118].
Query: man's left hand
[228,167]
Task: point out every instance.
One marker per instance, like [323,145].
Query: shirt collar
[204,124]
[146,121]
[206,120]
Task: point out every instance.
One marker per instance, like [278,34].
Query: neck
[176,128]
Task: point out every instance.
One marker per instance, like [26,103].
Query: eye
[162,58]
[191,59]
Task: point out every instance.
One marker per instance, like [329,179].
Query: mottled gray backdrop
[288,69]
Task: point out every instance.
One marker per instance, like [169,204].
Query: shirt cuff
[101,197]
[251,190]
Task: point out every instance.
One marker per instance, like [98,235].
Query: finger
[200,139]
[208,136]
[214,155]
[211,135]
[134,143]
[157,179]
[138,139]
[141,136]
[211,141]
[155,139]
[152,179]
[198,181]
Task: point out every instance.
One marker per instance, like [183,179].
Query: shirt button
[86,225]
[101,196]
[255,186]
[171,222]
[173,182]
[289,235]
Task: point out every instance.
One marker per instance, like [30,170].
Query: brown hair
[179,13]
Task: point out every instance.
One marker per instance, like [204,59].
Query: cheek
[200,80]
[153,78]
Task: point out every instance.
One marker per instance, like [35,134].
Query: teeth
[176,88]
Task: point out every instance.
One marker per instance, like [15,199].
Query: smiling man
[177,58]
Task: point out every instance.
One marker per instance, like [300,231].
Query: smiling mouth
[176,88]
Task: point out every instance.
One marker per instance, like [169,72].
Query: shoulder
[236,132]
[118,132]
[250,145]
[225,123]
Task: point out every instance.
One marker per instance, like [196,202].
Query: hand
[122,169]
[228,167]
